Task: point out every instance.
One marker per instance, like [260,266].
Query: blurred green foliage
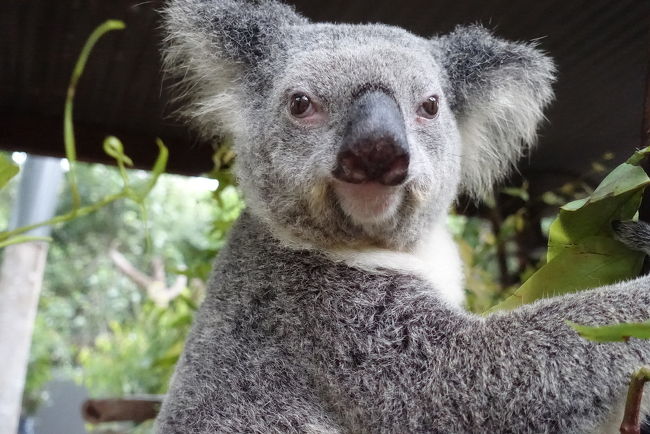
[94,324]
[137,356]
[477,245]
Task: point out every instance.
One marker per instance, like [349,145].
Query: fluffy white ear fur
[210,46]
[208,110]
[495,133]
[498,91]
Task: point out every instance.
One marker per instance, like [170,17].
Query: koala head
[354,135]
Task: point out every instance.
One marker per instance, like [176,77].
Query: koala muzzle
[374,146]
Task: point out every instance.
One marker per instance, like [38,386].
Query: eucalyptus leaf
[594,262]
[591,218]
[582,253]
[613,333]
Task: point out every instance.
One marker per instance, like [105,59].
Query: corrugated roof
[601,46]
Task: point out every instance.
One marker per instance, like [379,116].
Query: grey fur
[290,340]
[634,234]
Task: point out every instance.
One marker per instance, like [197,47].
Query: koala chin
[368,203]
[336,304]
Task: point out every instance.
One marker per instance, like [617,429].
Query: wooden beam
[117,410]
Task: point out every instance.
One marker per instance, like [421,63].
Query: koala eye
[429,108]
[301,105]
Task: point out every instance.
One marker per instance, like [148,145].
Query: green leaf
[638,156]
[613,333]
[7,170]
[188,301]
[581,251]
[171,356]
[591,218]
[596,261]
[181,321]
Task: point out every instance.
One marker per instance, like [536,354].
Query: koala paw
[635,235]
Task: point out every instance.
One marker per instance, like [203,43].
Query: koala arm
[539,359]
[322,342]
[518,371]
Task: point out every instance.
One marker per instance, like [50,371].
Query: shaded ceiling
[601,47]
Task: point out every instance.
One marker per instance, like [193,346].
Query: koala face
[354,135]
[343,148]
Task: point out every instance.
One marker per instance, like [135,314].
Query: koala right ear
[498,90]
[213,46]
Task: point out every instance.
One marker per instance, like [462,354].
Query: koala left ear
[215,48]
[498,90]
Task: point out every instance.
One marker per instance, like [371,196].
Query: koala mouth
[368,203]
[372,162]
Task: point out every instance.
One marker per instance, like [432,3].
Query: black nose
[374,146]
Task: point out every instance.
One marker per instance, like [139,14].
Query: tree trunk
[21,276]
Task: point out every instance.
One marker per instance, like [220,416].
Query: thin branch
[158,266]
[631,420]
[496,221]
[155,286]
[68,128]
[125,266]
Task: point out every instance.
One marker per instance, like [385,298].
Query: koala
[336,304]
[634,234]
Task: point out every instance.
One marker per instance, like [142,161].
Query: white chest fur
[435,259]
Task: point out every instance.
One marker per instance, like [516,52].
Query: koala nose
[374,146]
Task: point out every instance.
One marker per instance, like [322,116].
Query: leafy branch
[582,253]
[112,146]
